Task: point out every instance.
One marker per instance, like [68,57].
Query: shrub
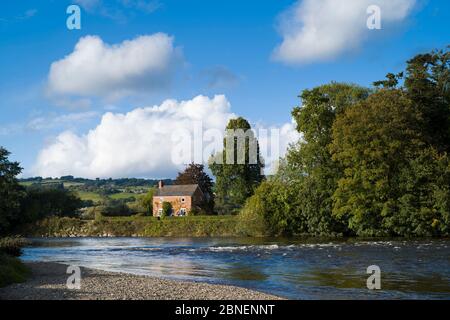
[251,218]
[273,210]
[166,209]
[137,208]
[12,246]
[98,216]
[12,270]
[44,202]
[116,208]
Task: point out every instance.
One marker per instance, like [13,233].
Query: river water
[295,269]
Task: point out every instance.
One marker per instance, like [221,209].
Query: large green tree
[195,174]
[11,193]
[146,201]
[317,173]
[238,168]
[371,142]
[427,84]
[394,181]
[372,162]
[41,202]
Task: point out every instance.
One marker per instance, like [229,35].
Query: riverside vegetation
[12,270]
[137,226]
[373,162]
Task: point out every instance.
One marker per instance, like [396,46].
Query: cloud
[139,143]
[119,10]
[88,4]
[319,30]
[142,5]
[48,122]
[45,122]
[10,129]
[28,14]
[220,77]
[94,68]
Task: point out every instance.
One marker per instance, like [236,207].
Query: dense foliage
[12,270]
[19,205]
[238,168]
[146,202]
[12,246]
[372,162]
[166,209]
[11,193]
[43,202]
[189,226]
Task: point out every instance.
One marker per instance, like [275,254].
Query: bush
[272,210]
[251,218]
[137,208]
[190,226]
[116,208]
[44,202]
[90,213]
[12,270]
[146,201]
[98,216]
[166,209]
[12,246]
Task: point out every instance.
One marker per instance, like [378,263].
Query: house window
[182,212]
[182,199]
[160,211]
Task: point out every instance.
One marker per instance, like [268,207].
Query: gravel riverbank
[48,282]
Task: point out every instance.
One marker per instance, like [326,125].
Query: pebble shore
[48,282]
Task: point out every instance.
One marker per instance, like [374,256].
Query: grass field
[123,195]
[44,182]
[128,192]
[90,196]
[72,184]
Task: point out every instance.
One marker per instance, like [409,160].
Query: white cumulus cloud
[94,68]
[318,30]
[138,143]
[141,142]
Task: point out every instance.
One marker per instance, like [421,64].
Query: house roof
[177,190]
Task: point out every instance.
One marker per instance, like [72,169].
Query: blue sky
[220,48]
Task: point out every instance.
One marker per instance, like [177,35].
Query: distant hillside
[121,194]
[72,181]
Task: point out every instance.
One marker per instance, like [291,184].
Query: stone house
[183,198]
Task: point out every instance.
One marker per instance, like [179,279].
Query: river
[291,268]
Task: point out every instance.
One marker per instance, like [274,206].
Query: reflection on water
[297,269]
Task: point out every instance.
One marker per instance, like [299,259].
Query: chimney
[160,184]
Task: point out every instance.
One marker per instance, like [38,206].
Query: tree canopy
[11,193]
[372,161]
[238,168]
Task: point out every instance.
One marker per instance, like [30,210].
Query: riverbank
[134,226]
[12,270]
[48,282]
